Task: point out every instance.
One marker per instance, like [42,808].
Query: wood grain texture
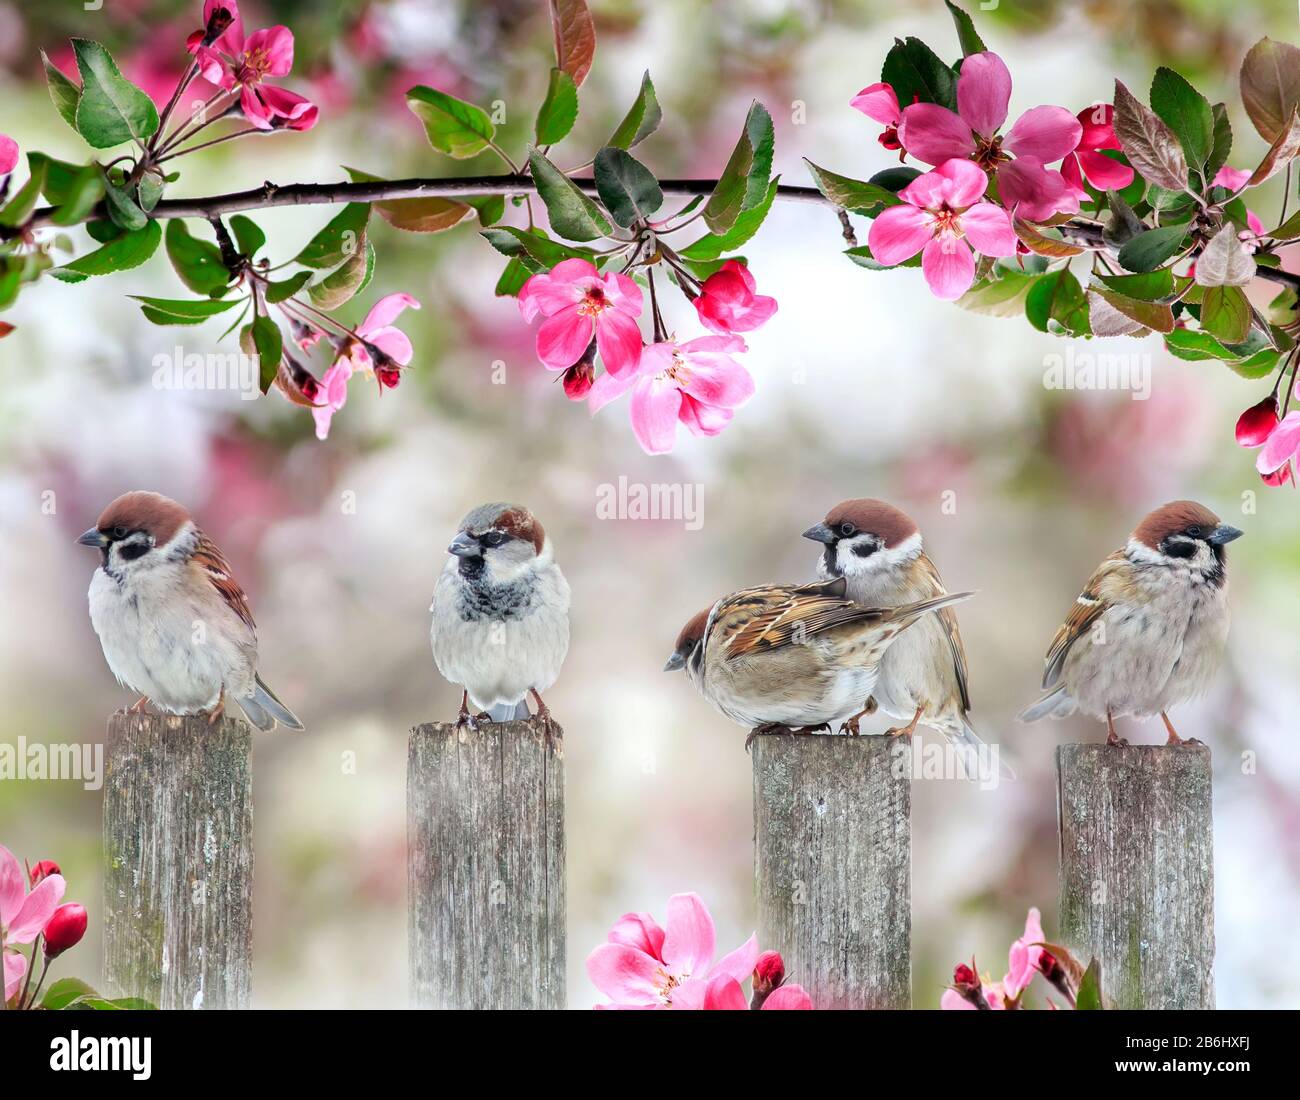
[832,866]
[1137,870]
[486,867]
[178,848]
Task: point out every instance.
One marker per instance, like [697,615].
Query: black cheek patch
[1178,549]
[471,566]
[130,553]
[865,549]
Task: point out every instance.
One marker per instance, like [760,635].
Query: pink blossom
[934,134]
[727,302]
[579,303]
[1257,423]
[1234,179]
[1281,446]
[942,215]
[236,63]
[697,383]
[642,965]
[23,915]
[1024,959]
[724,993]
[15,966]
[8,154]
[377,333]
[879,102]
[1087,160]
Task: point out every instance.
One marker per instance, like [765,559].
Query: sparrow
[878,551]
[501,615]
[792,658]
[172,620]
[1149,628]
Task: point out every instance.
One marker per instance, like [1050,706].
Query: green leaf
[641,120]
[1224,261]
[19,208]
[149,190]
[1225,313]
[1149,144]
[454,127]
[420,215]
[197,262]
[743,183]
[713,245]
[1195,344]
[1270,86]
[512,279]
[1149,287]
[1222,142]
[1000,296]
[183,311]
[1149,250]
[1289,230]
[262,338]
[63,992]
[1187,113]
[1153,315]
[533,248]
[1259,365]
[1089,996]
[912,69]
[74,190]
[896,178]
[122,208]
[859,196]
[111,109]
[285,289]
[119,254]
[861,255]
[490,208]
[1057,299]
[63,92]
[967,36]
[341,284]
[573,215]
[559,110]
[341,238]
[248,235]
[627,187]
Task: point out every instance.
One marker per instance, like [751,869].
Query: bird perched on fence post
[792,658]
[878,551]
[1149,628]
[501,615]
[172,620]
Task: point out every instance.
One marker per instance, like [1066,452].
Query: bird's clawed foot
[907,730]
[1174,739]
[216,713]
[465,720]
[139,706]
[849,726]
[767,729]
[1112,738]
[550,727]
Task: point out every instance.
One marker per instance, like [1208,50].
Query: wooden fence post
[832,866]
[1137,870]
[486,867]
[178,848]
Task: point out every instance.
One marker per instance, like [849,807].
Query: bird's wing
[1088,608]
[208,559]
[759,620]
[948,620]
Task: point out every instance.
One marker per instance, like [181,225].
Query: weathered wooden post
[1137,870]
[486,867]
[178,843]
[832,865]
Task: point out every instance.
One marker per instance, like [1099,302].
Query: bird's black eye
[847,529]
[119,532]
[493,538]
[1194,532]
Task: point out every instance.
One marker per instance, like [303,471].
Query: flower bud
[578,379]
[64,929]
[43,870]
[966,982]
[388,376]
[1280,476]
[1256,424]
[769,971]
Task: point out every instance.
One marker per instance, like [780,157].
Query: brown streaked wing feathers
[948,620]
[806,610]
[209,558]
[1086,610]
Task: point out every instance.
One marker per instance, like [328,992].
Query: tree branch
[326,194]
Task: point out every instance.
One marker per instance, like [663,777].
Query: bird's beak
[463,546]
[820,533]
[1223,534]
[675,662]
[94,537]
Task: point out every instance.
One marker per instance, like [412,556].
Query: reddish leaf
[1148,143]
[1042,244]
[575,37]
[1270,85]
[5,329]
[1282,152]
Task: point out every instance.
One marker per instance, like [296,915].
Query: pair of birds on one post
[1147,632]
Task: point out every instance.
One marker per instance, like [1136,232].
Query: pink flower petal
[1073,176]
[955,184]
[878,101]
[284,103]
[898,234]
[37,908]
[618,339]
[1045,133]
[608,387]
[738,964]
[1034,192]
[385,311]
[8,154]
[724,994]
[623,292]
[953,1001]
[394,343]
[934,134]
[948,266]
[1232,178]
[15,966]
[13,885]
[276,45]
[654,411]
[983,92]
[563,337]
[255,111]
[703,420]
[1098,127]
[625,975]
[689,937]
[1281,446]
[1102,172]
[988,228]
[641,931]
[788,997]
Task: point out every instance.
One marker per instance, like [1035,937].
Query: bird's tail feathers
[978,755]
[265,710]
[1055,704]
[510,712]
[913,611]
